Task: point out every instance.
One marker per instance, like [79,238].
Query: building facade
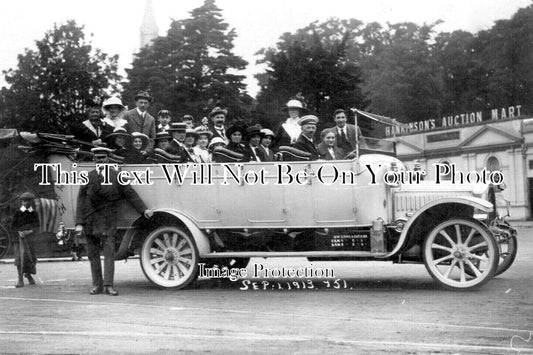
[496,140]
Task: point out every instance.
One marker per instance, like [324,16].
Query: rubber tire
[145,258]
[491,244]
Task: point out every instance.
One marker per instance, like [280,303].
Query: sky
[114,24]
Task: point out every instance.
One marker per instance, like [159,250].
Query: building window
[493,164]
[530,164]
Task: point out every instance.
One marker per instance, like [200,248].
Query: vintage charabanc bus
[355,210]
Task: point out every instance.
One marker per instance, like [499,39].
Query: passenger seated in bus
[234,135]
[138,145]
[114,108]
[190,141]
[328,149]
[305,141]
[188,120]
[266,142]
[93,129]
[253,137]
[161,153]
[200,149]
[119,141]
[216,142]
[176,146]
[163,118]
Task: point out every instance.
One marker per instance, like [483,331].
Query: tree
[312,61]
[192,68]
[49,88]
[401,75]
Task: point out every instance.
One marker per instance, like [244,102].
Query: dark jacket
[267,156]
[251,156]
[86,132]
[348,144]
[97,203]
[238,148]
[145,125]
[324,152]
[302,143]
[25,221]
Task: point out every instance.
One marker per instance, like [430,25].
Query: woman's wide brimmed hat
[113,101]
[203,131]
[178,127]
[119,132]
[268,132]
[253,130]
[216,140]
[234,129]
[295,104]
[144,138]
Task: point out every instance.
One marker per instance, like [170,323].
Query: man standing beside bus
[96,214]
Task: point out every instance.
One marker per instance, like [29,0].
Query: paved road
[374,308]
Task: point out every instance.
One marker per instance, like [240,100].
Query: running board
[282,254]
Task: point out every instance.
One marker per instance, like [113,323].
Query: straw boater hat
[163,113]
[234,129]
[118,132]
[202,131]
[144,138]
[113,101]
[216,111]
[162,136]
[143,95]
[178,127]
[101,151]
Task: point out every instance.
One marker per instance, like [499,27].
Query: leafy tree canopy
[51,84]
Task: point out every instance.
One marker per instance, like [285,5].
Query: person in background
[289,131]
[113,107]
[164,118]
[93,129]
[139,120]
[178,131]
[328,149]
[162,140]
[96,215]
[253,137]
[213,144]
[200,149]
[234,134]
[305,141]
[138,145]
[188,120]
[218,117]
[25,226]
[120,141]
[264,147]
[191,137]
[205,124]
[347,135]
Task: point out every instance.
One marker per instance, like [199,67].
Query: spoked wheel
[459,244]
[169,258]
[507,249]
[5,241]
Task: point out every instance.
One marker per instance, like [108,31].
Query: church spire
[149,30]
